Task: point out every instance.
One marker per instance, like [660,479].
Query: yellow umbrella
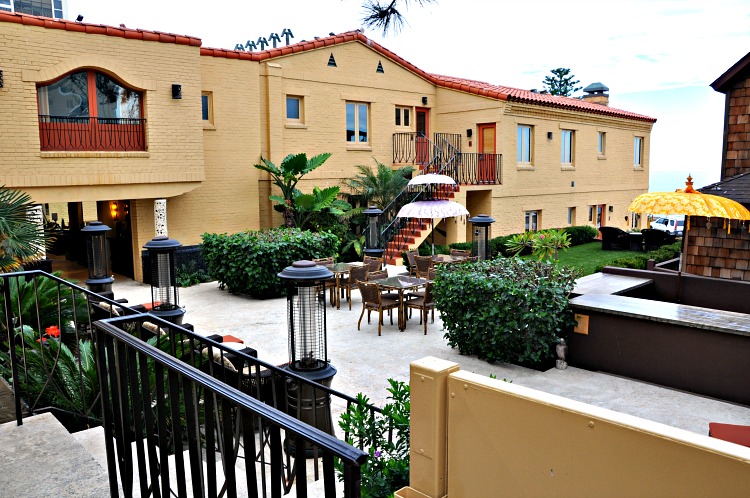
[689,202]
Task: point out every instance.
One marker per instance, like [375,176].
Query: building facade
[119,117]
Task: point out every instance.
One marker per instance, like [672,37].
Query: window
[532,221]
[602,145]
[566,151]
[88,110]
[357,122]
[294,108]
[638,152]
[403,116]
[571,216]
[46,8]
[524,144]
[207,107]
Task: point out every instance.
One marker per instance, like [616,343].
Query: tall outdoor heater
[308,349]
[97,259]
[372,233]
[480,236]
[165,300]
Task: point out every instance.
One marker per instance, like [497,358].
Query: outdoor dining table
[339,270]
[401,284]
[447,258]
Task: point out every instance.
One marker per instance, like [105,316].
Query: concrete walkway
[365,361]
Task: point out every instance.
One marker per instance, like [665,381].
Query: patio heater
[308,350]
[97,259]
[165,301]
[372,233]
[480,238]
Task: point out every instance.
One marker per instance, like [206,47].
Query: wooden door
[486,165]
[421,141]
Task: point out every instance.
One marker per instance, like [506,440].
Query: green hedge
[507,309]
[248,262]
[640,261]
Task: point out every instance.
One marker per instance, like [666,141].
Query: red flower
[42,340]
[53,331]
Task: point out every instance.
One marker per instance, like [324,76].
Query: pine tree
[561,83]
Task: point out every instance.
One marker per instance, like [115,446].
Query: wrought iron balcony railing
[63,133]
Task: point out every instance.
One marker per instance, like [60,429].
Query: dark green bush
[640,261]
[461,246]
[581,234]
[507,309]
[248,262]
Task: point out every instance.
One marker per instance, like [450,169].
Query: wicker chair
[424,263]
[458,253]
[373,301]
[376,275]
[411,258]
[423,304]
[356,274]
[330,283]
[373,263]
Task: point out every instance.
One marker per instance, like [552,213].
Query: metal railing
[165,418]
[30,353]
[63,133]
[478,169]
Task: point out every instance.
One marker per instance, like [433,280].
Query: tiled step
[40,458]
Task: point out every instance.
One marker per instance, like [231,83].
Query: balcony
[63,133]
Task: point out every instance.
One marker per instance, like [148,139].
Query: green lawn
[588,256]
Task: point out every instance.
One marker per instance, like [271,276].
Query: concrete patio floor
[365,361]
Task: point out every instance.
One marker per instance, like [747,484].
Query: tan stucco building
[96,115]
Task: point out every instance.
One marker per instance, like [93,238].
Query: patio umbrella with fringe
[432,210]
[689,202]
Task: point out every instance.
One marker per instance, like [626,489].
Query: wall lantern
[480,238]
[424,100]
[308,346]
[176,91]
[97,259]
[372,232]
[469,132]
[549,135]
[165,299]
[1,78]
[113,209]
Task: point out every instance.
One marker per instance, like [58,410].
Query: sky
[658,57]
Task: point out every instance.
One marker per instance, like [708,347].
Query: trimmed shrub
[507,309]
[640,261]
[581,234]
[248,262]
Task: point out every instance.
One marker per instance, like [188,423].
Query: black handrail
[194,401]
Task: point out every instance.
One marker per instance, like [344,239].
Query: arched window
[89,110]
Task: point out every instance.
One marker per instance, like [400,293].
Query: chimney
[596,93]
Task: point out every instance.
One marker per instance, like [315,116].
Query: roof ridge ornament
[273,39]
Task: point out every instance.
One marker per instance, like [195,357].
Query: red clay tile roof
[98,29]
[461,84]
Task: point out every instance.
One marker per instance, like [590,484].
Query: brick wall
[712,252]
[738,132]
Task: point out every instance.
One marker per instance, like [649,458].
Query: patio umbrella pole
[432,234]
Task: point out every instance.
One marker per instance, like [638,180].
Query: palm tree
[381,186]
[286,176]
[21,239]
[386,16]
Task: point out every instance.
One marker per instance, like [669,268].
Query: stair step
[43,443]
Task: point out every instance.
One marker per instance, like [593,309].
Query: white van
[672,224]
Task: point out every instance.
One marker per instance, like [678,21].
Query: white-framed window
[45,8]
[295,109]
[602,144]
[531,222]
[207,107]
[525,138]
[638,152]
[357,122]
[403,117]
[566,149]
[571,216]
